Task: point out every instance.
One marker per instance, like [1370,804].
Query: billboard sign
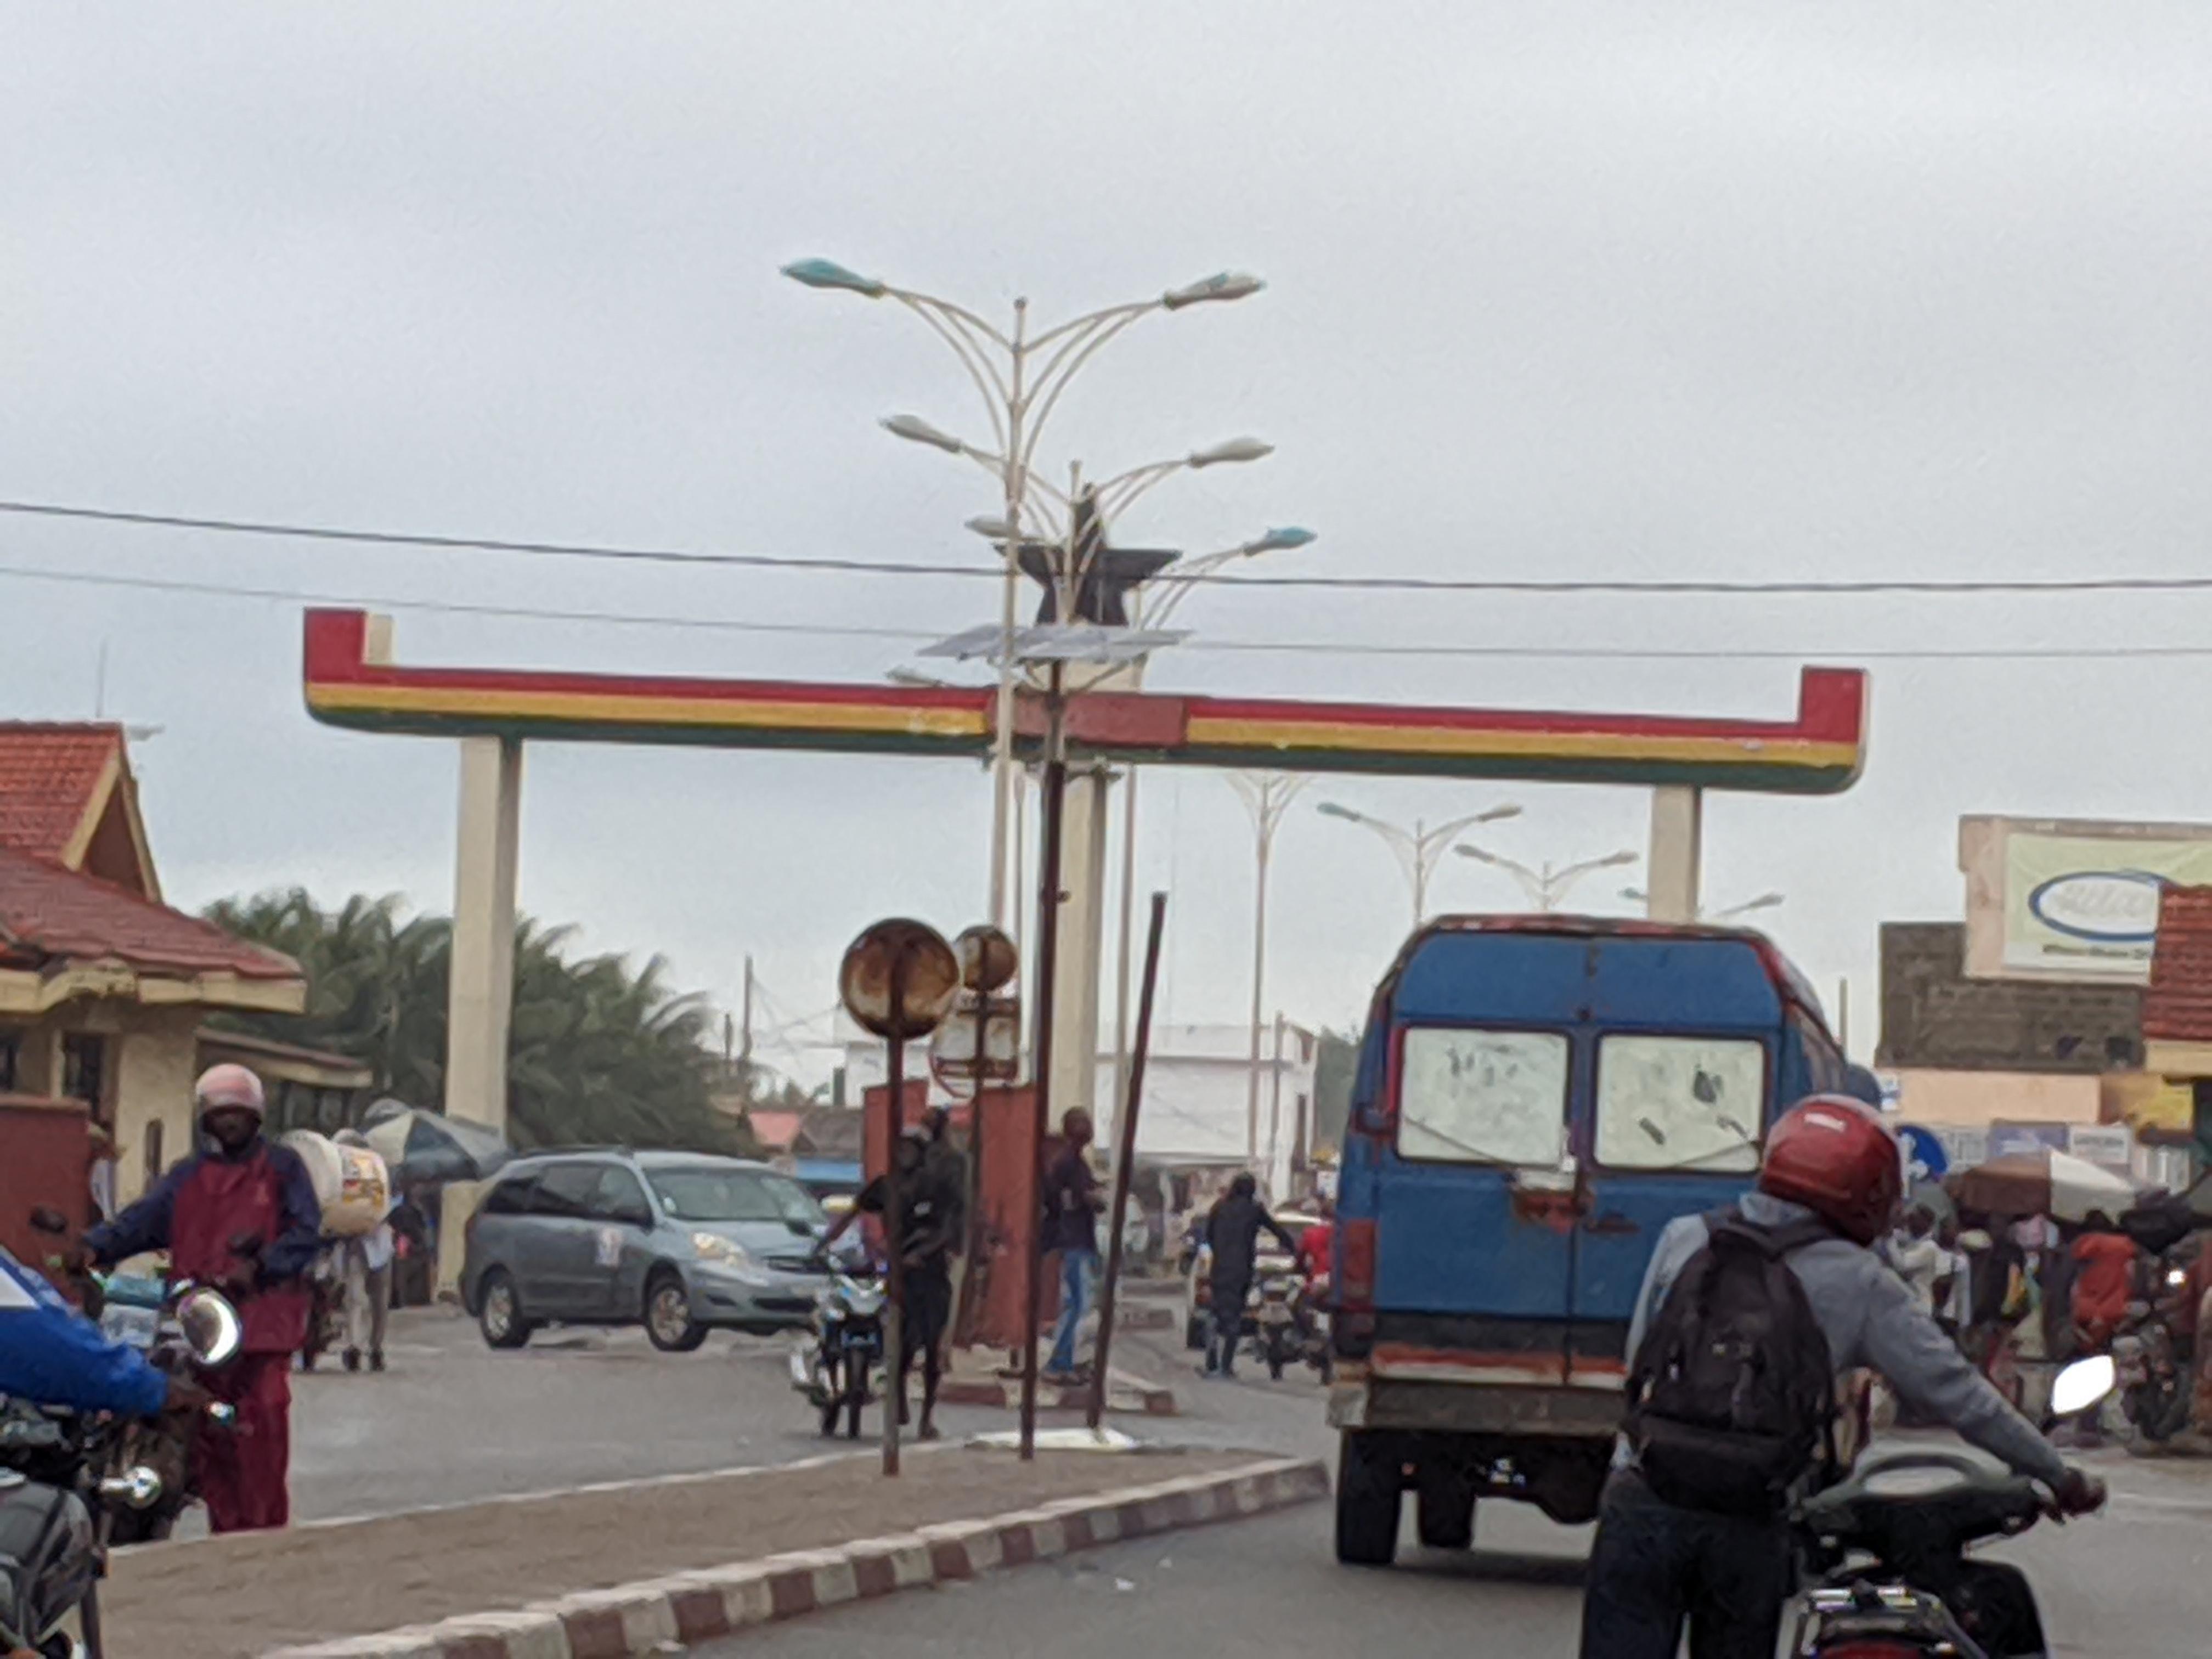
[2061,899]
[2007,1138]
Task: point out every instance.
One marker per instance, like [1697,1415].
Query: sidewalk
[238,1596]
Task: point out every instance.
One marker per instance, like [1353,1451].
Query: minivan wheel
[499,1312]
[668,1323]
[1370,1491]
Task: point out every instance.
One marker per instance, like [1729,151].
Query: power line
[490,545]
[462,608]
[1287,647]
[1708,587]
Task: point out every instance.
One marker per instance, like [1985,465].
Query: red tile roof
[48,912]
[48,775]
[2178,1006]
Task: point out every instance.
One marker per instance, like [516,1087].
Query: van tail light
[1355,1265]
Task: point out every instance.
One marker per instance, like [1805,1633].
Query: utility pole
[745,1038]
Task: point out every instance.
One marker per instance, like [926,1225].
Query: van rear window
[1488,1097]
[1679,1103]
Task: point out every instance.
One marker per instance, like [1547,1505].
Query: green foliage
[596,1053]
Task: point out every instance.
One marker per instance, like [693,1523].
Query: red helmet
[1836,1156]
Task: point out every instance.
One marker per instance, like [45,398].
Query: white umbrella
[2078,1186]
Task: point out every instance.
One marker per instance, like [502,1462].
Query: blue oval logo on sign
[2111,907]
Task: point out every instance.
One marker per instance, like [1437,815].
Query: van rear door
[1474,1196]
[1675,1116]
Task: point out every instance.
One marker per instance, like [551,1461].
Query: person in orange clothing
[2104,1277]
[1317,1242]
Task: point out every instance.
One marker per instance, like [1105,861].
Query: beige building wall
[155,1064]
[1980,1098]
[150,1056]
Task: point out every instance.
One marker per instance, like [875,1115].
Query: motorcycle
[1290,1324]
[1884,1552]
[1275,1322]
[2156,1363]
[837,1370]
[74,1484]
[179,1326]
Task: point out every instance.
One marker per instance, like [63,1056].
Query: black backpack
[1732,1401]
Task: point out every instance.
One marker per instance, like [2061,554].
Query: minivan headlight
[713,1247]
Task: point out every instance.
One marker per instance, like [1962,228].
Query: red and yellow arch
[1820,752]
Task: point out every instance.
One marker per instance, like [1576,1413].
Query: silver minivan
[680,1243]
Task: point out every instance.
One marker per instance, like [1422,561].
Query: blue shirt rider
[53,1355]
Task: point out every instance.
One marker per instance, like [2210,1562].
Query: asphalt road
[2128,1586]
[453,1421]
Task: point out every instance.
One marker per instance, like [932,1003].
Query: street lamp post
[1419,847]
[1154,604]
[1266,795]
[1545,886]
[1727,913]
[1020,377]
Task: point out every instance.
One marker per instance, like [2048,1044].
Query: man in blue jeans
[1072,1203]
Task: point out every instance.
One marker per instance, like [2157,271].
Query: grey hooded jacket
[1868,1315]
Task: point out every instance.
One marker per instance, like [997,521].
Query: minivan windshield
[704,1193]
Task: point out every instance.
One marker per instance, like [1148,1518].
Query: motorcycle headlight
[2176,1276]
[713,1247]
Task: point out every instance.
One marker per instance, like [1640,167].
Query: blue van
[1537,1099]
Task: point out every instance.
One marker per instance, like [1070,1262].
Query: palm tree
[596,1052]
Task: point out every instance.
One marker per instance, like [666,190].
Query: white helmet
[231,1087]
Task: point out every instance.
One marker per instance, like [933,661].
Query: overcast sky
[1697,290]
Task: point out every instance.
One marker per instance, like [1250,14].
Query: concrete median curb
[689,1607]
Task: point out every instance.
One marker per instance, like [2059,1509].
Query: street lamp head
[1636,896]
[1763,902]
[994,529]
[1330,808]
[1222,285]
[1498,814]
[1468,850]
[828,273]
[1612,860]
[915,430]
[1234,449]
[1279,540]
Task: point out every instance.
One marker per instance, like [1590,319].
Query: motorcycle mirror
[210,1326]
[48,1219]
[138,1487]
[2083,1384]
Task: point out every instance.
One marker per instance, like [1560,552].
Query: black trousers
[1656,1566]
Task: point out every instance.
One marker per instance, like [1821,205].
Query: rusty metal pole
[1125,1176]
[1048,942]
[975,1242]
[894,1240]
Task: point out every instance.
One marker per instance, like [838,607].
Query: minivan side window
[1679,1103]
[1471,1096]
[566,1190]
[511,1196]
[619,1196]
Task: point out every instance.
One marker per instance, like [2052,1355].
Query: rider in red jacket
[241,1215]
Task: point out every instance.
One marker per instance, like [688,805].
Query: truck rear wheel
[1444,1509]
[1368,1492]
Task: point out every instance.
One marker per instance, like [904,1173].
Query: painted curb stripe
[633,1620]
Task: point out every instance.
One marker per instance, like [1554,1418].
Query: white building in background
[1198,1110]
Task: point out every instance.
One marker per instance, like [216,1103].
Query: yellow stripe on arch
[585,708]
[1217,733]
